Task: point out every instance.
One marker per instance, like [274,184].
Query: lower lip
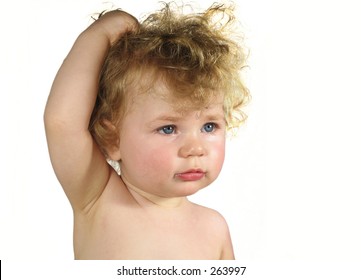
[190,176]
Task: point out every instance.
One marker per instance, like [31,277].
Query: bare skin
[113,218]
[125,225]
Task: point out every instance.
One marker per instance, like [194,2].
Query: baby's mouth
[191,175]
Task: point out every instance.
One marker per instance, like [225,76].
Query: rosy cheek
[156,160]
[218,151]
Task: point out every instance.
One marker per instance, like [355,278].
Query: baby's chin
[188,189]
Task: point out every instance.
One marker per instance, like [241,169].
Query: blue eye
[209,127]
[168,129]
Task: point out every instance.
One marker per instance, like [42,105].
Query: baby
[157,96]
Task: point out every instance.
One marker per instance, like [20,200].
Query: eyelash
[173,128]
[214,127]
[162,129]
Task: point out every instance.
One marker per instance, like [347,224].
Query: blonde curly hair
[194,54]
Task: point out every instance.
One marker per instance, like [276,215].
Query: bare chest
[139,235]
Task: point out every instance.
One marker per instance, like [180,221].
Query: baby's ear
[113,151]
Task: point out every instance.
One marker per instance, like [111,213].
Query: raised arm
[78,163]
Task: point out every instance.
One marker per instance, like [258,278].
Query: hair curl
[194,54]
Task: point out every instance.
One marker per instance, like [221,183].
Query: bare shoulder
[210,216]
[214,222]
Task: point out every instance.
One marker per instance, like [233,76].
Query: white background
[290,187]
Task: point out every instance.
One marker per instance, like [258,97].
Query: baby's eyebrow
[176,118]
[164,118]
[169,118]
[213,117]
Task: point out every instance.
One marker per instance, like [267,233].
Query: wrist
[96,35]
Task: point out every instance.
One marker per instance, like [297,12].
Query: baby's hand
[115,23]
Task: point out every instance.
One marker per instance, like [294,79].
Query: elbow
[53,121]
[49,118]
[56,123]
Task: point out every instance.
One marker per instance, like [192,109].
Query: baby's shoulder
[211,218]
[215,225]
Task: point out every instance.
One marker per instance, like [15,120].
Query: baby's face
[171,154]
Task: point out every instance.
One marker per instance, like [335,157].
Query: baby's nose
[192,146]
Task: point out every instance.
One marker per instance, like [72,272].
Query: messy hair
[196,55]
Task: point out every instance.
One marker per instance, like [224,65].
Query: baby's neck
[149,200]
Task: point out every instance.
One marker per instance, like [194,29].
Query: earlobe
[113,151]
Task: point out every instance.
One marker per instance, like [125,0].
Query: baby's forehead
[182,97]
